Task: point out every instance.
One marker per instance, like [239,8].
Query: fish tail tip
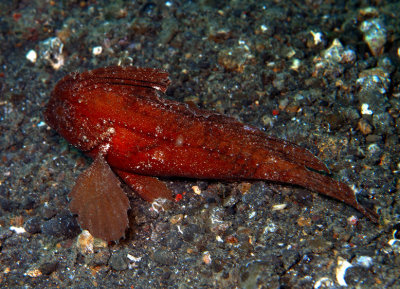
[371,214]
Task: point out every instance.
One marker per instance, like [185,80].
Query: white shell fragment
[342,266]
[394,243]
[279,207]
[324,282]
[51,51]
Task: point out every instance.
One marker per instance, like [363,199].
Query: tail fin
[299,175]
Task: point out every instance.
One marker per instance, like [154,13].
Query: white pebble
[97,50]
[31,56]
[279,207]
[364,261]
[324,282]
[133,258]
[317,37]
[263,28]
[295,64]
[18,230]
[365,109]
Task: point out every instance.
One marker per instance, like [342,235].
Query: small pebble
[4,233]
[84,242]
[28,203]
[324,282]
[47,212]
[32,225]
[174,242]
[330,61]
[279,207]
[369,12]
[168,30]
[31,56]
[230,200]
[51,51]
[244,187]
[365,127]
[364,261]
[352,220]
[304,222]
[207,258]
[100,258]
[319,245]
[63,225]
[234,59]
[18,230]
[317,37]
[8,205]
[97,50]
[164,257]
[48,267]
[196,190]
[33,273]
[176,219]
[374,35]
[365,109]
[190,232]
[119,261]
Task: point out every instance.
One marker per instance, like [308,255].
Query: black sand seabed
[275,65]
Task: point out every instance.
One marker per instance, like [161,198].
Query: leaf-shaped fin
[99,202]
[149,188]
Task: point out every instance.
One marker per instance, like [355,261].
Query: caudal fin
[287,172]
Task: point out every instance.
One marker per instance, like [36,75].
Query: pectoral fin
[99,202]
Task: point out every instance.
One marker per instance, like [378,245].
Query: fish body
[120,114]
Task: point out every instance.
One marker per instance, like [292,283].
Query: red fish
[117,116]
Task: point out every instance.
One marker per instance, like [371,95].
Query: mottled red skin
[118,112]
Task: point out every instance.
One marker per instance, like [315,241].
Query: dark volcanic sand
[275,65]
